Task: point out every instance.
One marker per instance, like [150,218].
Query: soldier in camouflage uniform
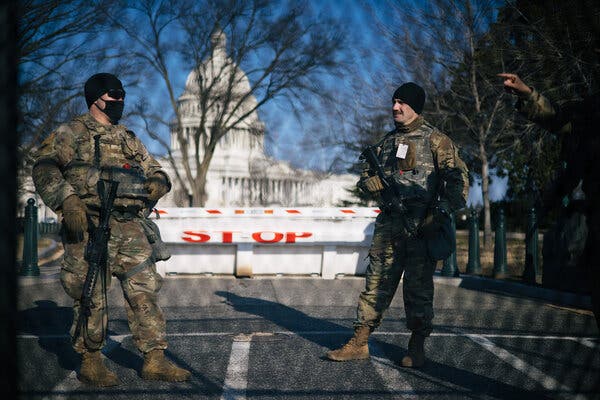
[420,160]
[575,121]
[68,165]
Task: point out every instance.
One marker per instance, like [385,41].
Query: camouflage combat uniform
[70,161]
[576,122]
[397,247]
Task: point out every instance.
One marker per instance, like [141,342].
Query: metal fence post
[531,248]
[500,246]
[449,267]
[30,240]
[474,260]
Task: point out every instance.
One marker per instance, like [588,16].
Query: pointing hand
[514,85]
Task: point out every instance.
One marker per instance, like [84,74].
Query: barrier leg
[474,260]
[531,248]
[450,267]
[500,247]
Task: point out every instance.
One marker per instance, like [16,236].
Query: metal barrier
[256,241]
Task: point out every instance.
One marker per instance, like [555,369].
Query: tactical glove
[74,217]
[373,184]
[157,187]
[430,228]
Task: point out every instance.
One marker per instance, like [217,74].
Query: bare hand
[514,85]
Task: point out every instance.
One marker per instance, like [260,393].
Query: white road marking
[236,378]
[588,341]
[389,373]
[546,381]
[68,384]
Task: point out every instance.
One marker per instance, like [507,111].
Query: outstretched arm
[537,108]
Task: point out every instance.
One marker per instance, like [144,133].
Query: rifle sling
[138,268]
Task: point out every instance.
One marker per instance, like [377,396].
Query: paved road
[265,339]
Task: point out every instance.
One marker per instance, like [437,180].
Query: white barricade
[267,241]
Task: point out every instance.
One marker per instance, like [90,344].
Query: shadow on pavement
[51,323]
[471,385]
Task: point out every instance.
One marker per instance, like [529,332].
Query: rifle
[391,200]
[96,253]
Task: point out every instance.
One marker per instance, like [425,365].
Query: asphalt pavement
[265,338]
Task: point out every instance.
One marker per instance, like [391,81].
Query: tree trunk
[199,195]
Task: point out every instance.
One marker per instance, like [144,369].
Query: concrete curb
[474,282]
[50,255]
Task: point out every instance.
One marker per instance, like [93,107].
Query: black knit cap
[99,84]
[411,94]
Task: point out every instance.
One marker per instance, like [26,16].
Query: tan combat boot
[357,347]
[416,353]
[158,368]
[94,372]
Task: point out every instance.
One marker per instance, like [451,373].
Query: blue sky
[372,83]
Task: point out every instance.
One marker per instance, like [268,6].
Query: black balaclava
[411,94]
[99,84]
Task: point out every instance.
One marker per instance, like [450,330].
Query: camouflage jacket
[576,123]
[71,161]
[424,163]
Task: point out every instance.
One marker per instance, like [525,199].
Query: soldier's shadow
[332,335]
[290,319]
[50,324]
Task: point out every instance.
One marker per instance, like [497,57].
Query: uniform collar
[413,126]
[91,123]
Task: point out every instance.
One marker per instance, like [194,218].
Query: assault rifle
[391,200]
[96,253]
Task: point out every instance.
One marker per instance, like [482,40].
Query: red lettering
[290,237]
[227,237]
[196,237]
[277,236]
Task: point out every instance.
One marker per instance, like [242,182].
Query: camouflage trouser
[391,255]
[127,248]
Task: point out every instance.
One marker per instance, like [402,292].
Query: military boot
[157,368]
[94,372]
[416,353]
[357,347]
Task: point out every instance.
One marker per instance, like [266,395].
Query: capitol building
[240,173]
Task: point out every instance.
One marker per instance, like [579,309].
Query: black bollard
[531,248]
[30,239]
[500,246]
[474,260]
[450,267]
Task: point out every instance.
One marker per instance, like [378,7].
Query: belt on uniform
[127,213]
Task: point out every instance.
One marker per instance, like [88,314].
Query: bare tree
[283,50]
[57,42]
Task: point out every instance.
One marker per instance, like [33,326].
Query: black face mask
[113,110]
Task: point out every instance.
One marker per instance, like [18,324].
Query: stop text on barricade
[253,241]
